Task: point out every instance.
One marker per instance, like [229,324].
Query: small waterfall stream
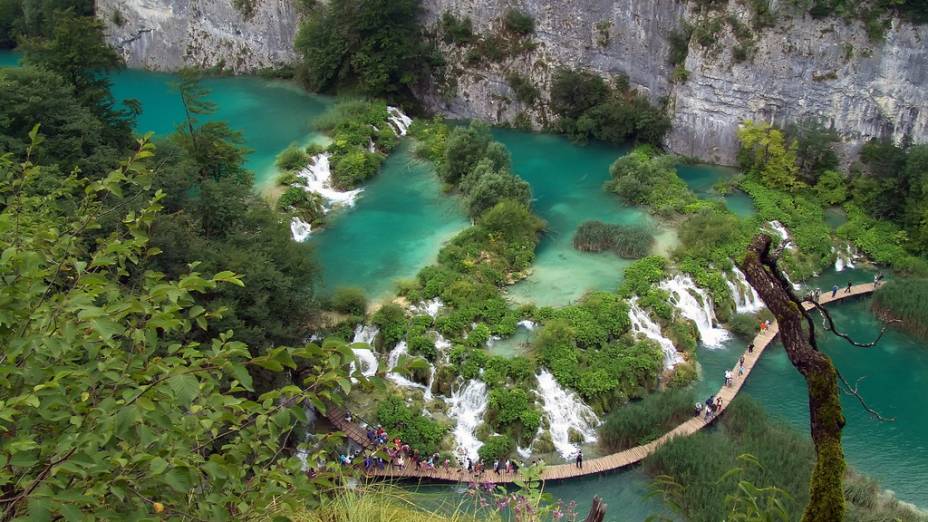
[399,121]
[565,411]
[299,229]
[682,291]
[746,299]
[365,334]
[642,323]
[430,307]
[781,231]
[466,406]
[317,178]
[844,259]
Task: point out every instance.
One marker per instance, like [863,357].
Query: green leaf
[157,465]
[228,277]
[178,479]
[186,387]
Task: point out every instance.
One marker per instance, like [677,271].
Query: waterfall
[839,261]
[430,307]
[399,121]
[299,229]
[781,231]
[700,311]
[528,325]
[565,411]
[843,259]
[364,334]
[317,178]
[746,299]
[467,406]
[642,323]
[393,360]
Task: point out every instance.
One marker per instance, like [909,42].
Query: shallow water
[396,228]
[567,185]
[702,178]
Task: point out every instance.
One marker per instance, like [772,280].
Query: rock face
[171,34]
[799,68]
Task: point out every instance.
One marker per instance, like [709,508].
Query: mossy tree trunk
[826,502]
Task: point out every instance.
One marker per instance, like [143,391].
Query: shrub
[457,31]
[643,421]
[525,90]
[643,178]
[518,22]
[629,242]
[496,447]
[391,320]
[410,425]
[348,300]
[292,159]
[354,168]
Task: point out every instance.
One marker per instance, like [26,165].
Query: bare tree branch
[853,390]
[829,325]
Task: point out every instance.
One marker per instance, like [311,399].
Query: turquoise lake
[402,218]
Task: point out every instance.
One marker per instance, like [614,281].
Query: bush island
[643,177]
[629,242]
[291,159]
[349,300]
[905,300]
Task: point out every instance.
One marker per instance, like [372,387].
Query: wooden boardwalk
[608,462]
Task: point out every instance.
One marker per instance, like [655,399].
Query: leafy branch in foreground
[106,408]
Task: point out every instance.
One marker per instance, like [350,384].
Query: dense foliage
[129,405]
[407,423]
[374,47]
[645,177]
[587,107]
[643,421]
[24,19]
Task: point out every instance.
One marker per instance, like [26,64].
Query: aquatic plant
[629,242]
[905,300]
[642,421]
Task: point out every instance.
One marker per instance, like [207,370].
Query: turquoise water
[567,185]
[396,228]
[701,180]
[9,59]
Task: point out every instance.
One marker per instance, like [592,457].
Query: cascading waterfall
[781,231]
[317,178]
[682,290]
[746,299]
[843,259]
[565,411]
[642,323]
[467,406]
[365,334]
[393,359]
[399,121]
[299,229]
[430,307]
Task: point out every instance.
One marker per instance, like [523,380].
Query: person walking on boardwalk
[834,291]
[496,466]
[848,289]
[579,459]
[751,348]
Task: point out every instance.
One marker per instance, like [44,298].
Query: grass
[643,421]
[629,242]
[905,300]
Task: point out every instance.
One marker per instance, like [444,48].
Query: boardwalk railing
[611,462]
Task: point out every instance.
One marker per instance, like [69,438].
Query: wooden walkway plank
[605,463]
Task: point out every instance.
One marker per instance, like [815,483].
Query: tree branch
[852,390]
[829,324]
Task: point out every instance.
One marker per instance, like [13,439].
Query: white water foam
[642,323]
[393,360]
[399,121]
[781,231]
[317,178]
[565,411]
[747,300]
[430,307]
[467,406]
[844,259]
[683,292]
[528,325]
[299,229]
[365,334]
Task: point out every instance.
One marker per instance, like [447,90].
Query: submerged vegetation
[629,242]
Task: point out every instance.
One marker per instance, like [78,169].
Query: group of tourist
[499,466]
[712,407]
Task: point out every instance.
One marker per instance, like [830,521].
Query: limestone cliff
[797,68]
[171,34]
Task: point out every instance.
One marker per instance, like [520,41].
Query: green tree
[465,147]
[374,46]
[766,153]
[108,410]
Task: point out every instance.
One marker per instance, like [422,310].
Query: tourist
[697,411]
[834,291]
[718,403]
[848,289]
[515,467]
[763,327]
[580,459]
[817,294]
[727,377]
[751,348]
[496,466]
[447,465]
[508,466]
[470,465]
[348,416]
[741,367]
